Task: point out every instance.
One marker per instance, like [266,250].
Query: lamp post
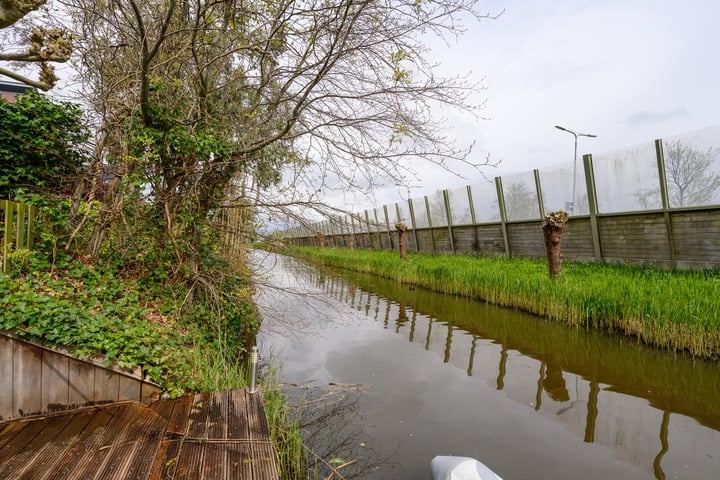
[576,135]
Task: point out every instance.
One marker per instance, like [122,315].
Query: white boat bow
[460,468]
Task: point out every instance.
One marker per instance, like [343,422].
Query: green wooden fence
[17,222]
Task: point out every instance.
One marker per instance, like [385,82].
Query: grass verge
[676,310]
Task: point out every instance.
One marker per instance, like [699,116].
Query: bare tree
[192,97]
[691,180]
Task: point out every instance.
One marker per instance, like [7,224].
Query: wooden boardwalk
[222,435]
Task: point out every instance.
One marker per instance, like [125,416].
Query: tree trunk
[553,227]
[402,237]
[321,238]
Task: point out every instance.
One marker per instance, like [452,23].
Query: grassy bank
[673,310]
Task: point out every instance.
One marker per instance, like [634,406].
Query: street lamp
[576,135]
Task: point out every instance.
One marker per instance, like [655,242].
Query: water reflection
[651,409]
[332,420]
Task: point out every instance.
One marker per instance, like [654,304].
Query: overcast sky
[628,71]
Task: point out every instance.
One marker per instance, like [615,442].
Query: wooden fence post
[592,203]
[429,218]
[414,225]
[473,218]
[503,215]
[448,214]
[387,225]
[662,177]
[538,189]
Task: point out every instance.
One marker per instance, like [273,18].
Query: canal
[385,377]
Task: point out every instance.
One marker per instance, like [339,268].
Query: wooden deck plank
[258,424]
[88,452]
[239,459]
[21,440]
[197,420]
[133,453]
[35,450]
[214,437]
[190,461]
[238,415]
[120,434]
[9,431]
[215,463]
[166,459]
[218,415]
[180,415]
[53,453]
[263,461]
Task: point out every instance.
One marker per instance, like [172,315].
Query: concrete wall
[669,239]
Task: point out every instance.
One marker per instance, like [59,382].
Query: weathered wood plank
[134,446]
[91,453]
[166,459]
[20,440]
[82,382]
[37,452]
[106,386]
[218,415]
[129,389]
[6,377]
[55,384]
[131,441]
[27,373]
[238,427]
[198,418]
[190,461]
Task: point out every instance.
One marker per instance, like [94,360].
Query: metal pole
[574,172]
[253,368]
[575,135]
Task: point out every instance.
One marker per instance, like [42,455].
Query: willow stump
[321,239]
[553,227]
[402,238]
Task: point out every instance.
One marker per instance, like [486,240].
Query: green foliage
[95,310]
[40,145]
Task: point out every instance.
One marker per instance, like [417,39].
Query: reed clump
[676,310]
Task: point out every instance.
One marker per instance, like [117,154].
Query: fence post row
[618,228]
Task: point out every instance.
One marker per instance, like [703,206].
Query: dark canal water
[389,377]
